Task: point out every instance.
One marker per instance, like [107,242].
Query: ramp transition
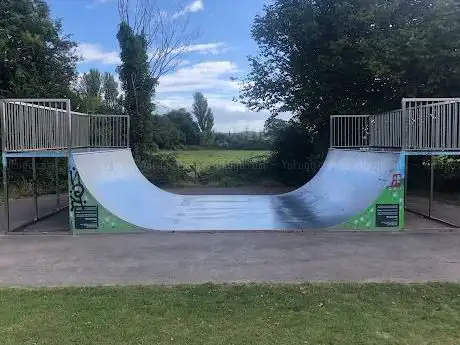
[353,190]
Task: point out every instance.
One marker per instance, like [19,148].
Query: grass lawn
[238,314]
[203,159]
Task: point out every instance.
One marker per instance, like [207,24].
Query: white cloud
[203,76]
[229,116]
[206,48]
[213,79]
[214,101]
[95,53]
[202,48]
[91,52]
[195,6]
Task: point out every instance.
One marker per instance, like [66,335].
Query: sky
[218,53]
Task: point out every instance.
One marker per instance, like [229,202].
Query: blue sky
[218,53]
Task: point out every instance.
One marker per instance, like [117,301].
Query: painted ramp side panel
[387,211]
[109,193]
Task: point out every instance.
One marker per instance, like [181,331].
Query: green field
[203,159]
[233,314]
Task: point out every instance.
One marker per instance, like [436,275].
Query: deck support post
[6,202]
[56,177]
[431,197]
[34,182]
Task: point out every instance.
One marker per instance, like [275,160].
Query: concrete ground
[22,211]
[31,258]
[169,258]
[440,208]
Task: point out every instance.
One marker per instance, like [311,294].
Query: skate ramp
[347,183]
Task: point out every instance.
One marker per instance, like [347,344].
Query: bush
[447,174]
[164,169]
[296,158]
[244,172]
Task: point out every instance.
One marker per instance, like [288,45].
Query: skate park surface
[348,182]
[44,254]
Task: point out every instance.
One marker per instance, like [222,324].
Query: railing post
[3,127]
[69,129]
[432,172]
[405,125]
[56,177]
[34,184]
[128,119]
[330,131]
[371,132]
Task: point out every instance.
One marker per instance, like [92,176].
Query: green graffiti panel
[367,220]
[87,215]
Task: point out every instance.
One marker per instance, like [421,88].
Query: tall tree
[110,91]
[91,83]
[91,91]
[321,57]
[203,113]
[138,86]
[151,45]
[167,37]
[36,58]
[183,120]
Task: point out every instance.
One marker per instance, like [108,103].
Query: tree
[138,86]
[183,120]
[165,134]
[202,112]
[151,45]
[110,91]
[91,91]
[91,83]
[323,57]
[273,127]
[167,38]
[36,58]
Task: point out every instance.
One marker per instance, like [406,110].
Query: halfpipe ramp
[353,189]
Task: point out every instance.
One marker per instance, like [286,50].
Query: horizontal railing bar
[39,149]
[37,106]
[391,112]
[338,116]
[106,115]
[447,99]
[31,100]
[423,106]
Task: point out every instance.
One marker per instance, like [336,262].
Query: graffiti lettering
[77,190]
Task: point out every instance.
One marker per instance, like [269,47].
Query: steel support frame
[6,205]
[430,196]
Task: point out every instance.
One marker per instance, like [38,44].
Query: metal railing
[432,124]
[44,124]
[386,129]
[109,131]
[421,124]
[349,131]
